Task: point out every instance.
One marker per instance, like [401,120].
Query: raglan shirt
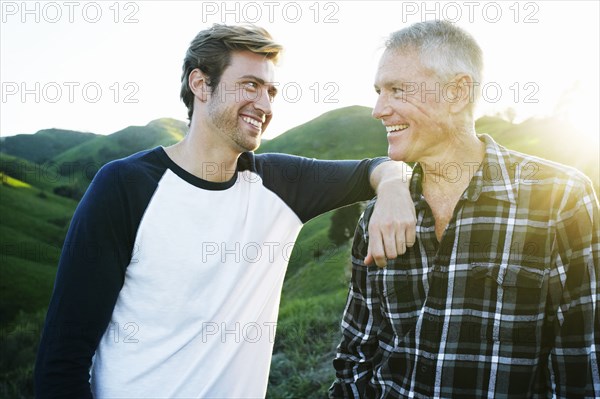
[168,285]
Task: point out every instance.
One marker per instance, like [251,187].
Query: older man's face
[413,107]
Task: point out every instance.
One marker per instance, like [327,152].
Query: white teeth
[394,128]
[252,122]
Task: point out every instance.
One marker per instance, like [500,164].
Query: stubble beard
[226,120]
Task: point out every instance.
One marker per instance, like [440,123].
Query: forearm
[392,226]
[85,292]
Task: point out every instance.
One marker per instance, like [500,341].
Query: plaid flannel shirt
[505,305]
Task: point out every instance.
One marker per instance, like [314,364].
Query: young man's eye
[398,90]
[250,85]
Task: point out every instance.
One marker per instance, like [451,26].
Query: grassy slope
[123,143]
[308,328]
[32,230]
[44,176]
[43,145]
[346,133]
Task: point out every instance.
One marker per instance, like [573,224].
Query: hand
[392,224]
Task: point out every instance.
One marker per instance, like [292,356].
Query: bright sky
[101,66]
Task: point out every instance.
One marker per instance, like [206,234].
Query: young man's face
[240,107]
[412,106]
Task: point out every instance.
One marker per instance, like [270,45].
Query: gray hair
[444,48]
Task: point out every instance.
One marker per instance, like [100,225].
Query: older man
[498,297]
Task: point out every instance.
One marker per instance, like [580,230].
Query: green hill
[44,176]
[43,145]
[34,223]
[346,133]
[95,153]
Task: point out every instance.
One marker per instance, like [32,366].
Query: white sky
[542,55]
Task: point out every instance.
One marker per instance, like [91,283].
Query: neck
[202,155]
[452,168]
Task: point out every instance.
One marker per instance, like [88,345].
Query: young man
[171,273]
[498,298]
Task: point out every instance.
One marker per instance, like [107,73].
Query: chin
[396,155]
[256,144]
[252,146]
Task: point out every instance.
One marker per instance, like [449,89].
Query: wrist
[393,185]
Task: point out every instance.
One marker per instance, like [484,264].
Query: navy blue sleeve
[312,187]
[97,249]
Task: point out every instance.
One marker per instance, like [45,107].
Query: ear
[459,93]
[197,82]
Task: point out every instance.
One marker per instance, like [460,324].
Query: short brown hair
[211,49]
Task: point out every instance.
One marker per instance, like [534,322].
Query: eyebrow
[392,82]
[402,83]
[262,82]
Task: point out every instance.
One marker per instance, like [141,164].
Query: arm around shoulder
[392,226]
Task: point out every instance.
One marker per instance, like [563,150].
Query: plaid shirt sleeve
[574,370]
[357,350]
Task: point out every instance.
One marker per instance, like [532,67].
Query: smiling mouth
[256,123]
[396,128]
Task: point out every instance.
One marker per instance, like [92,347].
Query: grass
[9,181]
[308,328]
[32,230]
[18,347]
[26,284]
[347,133]
[37,204]
[311,243]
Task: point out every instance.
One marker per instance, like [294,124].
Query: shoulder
[130,180]
[260,163]
[275,159]
[533,169]
[526,169]
[131,171]
[547,184]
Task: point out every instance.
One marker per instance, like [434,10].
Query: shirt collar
[494,178]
